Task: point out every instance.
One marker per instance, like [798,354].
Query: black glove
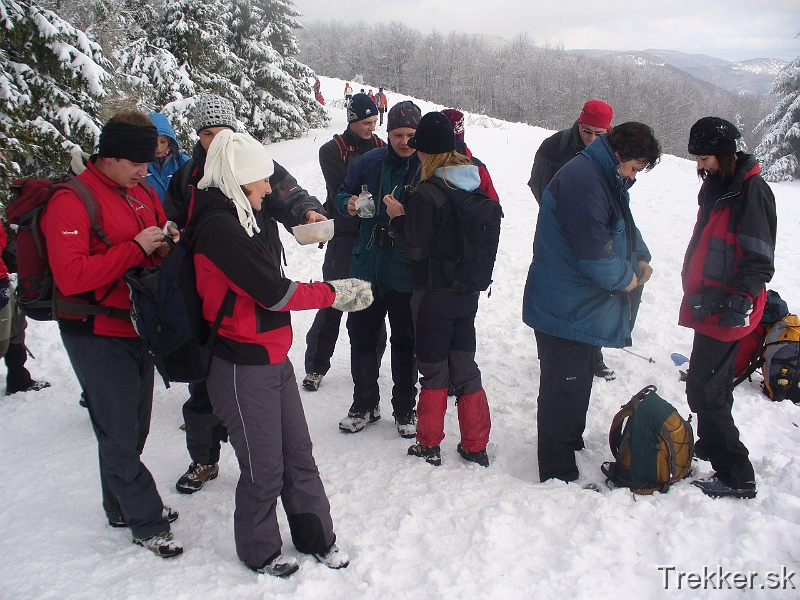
[736,311]
[708,302]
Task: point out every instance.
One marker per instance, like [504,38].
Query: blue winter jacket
[585,252]
[387,267]
[160,171]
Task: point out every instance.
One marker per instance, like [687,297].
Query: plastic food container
[313,233]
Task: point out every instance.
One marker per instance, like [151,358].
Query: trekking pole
[650,359]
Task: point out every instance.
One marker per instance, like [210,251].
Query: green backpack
[652,444]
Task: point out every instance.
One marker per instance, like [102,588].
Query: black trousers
[116,375]
[709,391]
[364,327]
[324,332]
[204,431]
[565,385]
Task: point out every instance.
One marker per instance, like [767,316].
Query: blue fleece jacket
[586,250]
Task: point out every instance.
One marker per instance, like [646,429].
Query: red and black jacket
[257,330]
[733,245]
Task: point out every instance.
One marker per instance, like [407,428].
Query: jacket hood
[722,191]
[163,126]
[464,177]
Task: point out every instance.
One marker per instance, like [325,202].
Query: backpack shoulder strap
[565,135]
[92,206]
[344,151]
[379,143]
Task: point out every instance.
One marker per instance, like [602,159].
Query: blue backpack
[166,311]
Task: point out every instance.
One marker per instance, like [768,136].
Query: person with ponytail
[444,319]
[251,381]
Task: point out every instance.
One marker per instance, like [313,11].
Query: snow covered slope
[413,531]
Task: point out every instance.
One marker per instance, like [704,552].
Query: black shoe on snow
[278,566]
[407,425]
[602,370]
[356,421]
[195,478]
[333,558]
[480,457]
[312,381]
[34,386]
[714,487]
[162,544]
[431,454]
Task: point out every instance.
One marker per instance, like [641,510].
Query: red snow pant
[444,326]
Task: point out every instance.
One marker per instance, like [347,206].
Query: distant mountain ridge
[754,76]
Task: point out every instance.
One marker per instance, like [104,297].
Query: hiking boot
[333,558]
[699,451]
[431,454]
[356,421]
[193,480]
[480,457]
[715,488]
[166,512]
[407,425]
[35,386]
[602,370]
[161,544]
[312,381]
[278,566]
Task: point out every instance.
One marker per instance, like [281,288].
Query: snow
[411,530]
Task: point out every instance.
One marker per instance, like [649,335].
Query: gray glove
[351,294]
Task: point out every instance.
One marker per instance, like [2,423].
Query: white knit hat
[211,110]
[234,160]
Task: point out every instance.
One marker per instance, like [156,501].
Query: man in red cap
[558,150]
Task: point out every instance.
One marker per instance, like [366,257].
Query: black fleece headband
[137,143]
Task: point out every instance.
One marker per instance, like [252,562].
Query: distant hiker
[585,283]
[168,156]
[317,85]
[12,330]
[335,158]
[110,360]
[371,95]
[377,258]
[288,203]
[444,318]
[348,93]
[724,294]
[558,150]
[382,103]
[456,118]
[251,381]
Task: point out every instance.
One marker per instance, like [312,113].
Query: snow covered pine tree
[779,150]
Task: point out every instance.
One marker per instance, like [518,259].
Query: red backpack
[36,291]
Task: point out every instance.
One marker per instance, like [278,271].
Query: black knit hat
[713,136]
[434,134]
[403,114]
[361,107]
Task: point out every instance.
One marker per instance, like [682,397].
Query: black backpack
[166,311]
[478,231]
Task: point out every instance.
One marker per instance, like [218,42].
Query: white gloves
[351,294]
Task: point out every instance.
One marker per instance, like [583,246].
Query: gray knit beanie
[211,110]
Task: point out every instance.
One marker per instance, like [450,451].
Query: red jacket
[486,180]
[84,265]
[258,331]
[732,245]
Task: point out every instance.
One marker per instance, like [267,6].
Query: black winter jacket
[550,157]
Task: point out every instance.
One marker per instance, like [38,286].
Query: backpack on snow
[751,347]
[478,230]
[652,444]
[36,291]
[167,313]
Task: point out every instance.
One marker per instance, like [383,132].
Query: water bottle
[365,206]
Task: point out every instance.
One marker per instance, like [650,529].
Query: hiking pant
[709,391]
[565,385]
[444,325]
[204,432]
[261,408]
[321,338]
[12,348]
[116,375]
[380,113]
[364,327]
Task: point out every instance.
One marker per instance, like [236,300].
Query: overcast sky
[729,29]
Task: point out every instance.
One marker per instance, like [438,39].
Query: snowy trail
[413,531]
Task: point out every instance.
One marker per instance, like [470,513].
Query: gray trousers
[261,408]
[116,375]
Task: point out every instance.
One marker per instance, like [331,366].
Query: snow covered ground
[414,531]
